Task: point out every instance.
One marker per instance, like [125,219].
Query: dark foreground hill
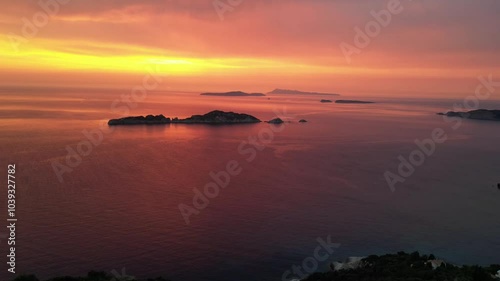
[409,267]
[393,267]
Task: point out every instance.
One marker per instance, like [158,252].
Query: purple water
[119,207]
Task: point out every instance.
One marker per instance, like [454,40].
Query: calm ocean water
[119,207]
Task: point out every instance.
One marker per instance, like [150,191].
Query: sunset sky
[433,47]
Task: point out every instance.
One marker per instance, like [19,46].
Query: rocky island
[213,117]
[353,101]
[480,114]
[219,117]
[276,121]
[234,94]
[295,92]
[140,120]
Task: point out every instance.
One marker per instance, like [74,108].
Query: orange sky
[430,48]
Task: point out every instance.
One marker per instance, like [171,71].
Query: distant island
[353,101]
[325,101]
[140,120]
[219,117]
[480,114]
[213,117]
[234,94]
[295,92]
[276,121]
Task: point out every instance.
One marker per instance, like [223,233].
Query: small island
[276,121]
[480,114]
[140,120]
[326,101]
[213,117]
[219,117]
[295,92]
[234,94]
[353,101]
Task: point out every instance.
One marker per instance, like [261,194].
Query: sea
[149,201]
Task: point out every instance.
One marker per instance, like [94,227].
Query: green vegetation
[91,276]
[407,267]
